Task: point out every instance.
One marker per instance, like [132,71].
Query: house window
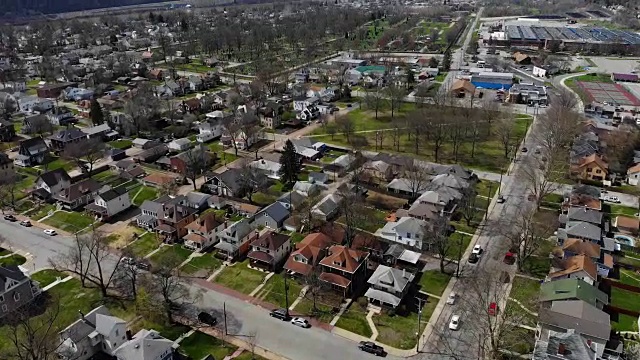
[1,298]
[589,170]
[4,308]
[16,297]
[598,171]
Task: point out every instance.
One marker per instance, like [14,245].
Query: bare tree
[85,153]
[250,129]
[396,95]
[196,161]
[565,98]
[346,126]
[8,191]
[438,133]
[467,206]
[251,180]
[32,331]
[435,236]
[505,128]
[415,175]
[457,130]
[354,212]
[416,129]
[90,259]
[127,277]
[317,287]
[374,100]
[141,108]
[489,113]
[526,236]
[232,129]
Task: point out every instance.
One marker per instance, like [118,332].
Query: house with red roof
[344,269]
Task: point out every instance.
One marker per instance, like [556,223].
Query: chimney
[404,273]
[129,335]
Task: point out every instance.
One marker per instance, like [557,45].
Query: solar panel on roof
[527,33]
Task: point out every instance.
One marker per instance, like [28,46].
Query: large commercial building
[493,80]
[579,39]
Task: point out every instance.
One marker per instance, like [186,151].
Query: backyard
[240,278]
[143,193]
[69,221]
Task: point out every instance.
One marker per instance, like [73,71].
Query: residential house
[443,198]
[197,200]
[591,323]
[235,240]
[202,231]
[399,257]
[7,170]
[591,167]
[129,169]
[580,230]
[406,231]
[31,104]
[109,203]
[144,144]
[150,210]
[153,154]
[173,219]
[463,87]
[52,90]
[377,171]
[7,130]
[269,250]
[60,140]
[16,289]
[302,103]
[78,194]
[407,187]
[581,214]
[626,224]
[571,289]
[209,130]
[102,132]
[158,180]
[450,181]
[422,211]
[575,267]
[31,152]
[318,178]
[327,207]
[226,183]
[272,216]
[307,255]
[568,345]
[35,124]
[271,115]
[344,269]
[179,145]
[51,183]
[146,344]
[270,169]
[388,286]
[61,116]
[306,188]
[183,163]
[292,199]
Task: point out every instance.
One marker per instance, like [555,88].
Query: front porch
[167,233]
[262,260]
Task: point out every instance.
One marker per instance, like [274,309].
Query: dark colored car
[205,317]
[524,149]
[143,265]
[473,258]
[281,314]
[509,258]
[10,217]
[371,348]
[25,223]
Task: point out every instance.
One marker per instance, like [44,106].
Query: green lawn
[47,276]
[120,144]
[204,265]
[58,163]
[273,291]
[69,221]
[526,291]
[516,312]
[483,186]
[169,331]
[434,282]
[593,77]
[625,323]
[199,345]
[537,266]
[146,193]
[169,252]
[40,211]
[305,307]
[629,277]
[400,331]
[296,237]
[240,278]
[620,210]
[355,320]
[144,245]
[13,259]
[457,247]
[374,220]
[106,176]
[628,260]
[441,76]
[624,299]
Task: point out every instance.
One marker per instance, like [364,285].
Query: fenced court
[613,94]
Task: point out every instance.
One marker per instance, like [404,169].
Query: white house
[111,202]
[53,182]
[269,250]
[407,231]
[539,72]
[301,104]
[633,175]
[29,104]
[179,145]
[327,207]
[208,131]
[270,168]
[202,231]
[306,188]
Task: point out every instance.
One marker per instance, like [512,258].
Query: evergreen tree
[446,61]
[411,78]
[290,163]
[97,116]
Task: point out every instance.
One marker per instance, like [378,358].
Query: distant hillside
[35,7]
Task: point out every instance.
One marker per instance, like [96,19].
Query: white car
[303,323]
[454,324]
[477,250]
[50,232]
[452,298]
[613,199]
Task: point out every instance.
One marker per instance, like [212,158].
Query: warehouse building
[493,80]
[528,94]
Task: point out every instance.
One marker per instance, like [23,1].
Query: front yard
[40,211]
[69,221]
[199,345]
[624,299]
[526,291]
[400,331]
[273,291]
[172,254]
[13,259]
[143,245]
[324,312]
[355,320]
[201,266]
[434,282]
[459,243]
[240,278]
[47,276]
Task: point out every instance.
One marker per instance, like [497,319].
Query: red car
[493,309]
[509,258]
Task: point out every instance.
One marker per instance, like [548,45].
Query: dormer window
[408,235]
[16,297]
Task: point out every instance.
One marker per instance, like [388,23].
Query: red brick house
[173,220]
[344,269]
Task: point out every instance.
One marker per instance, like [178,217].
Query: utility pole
[286,295]
[420,301]
[224,313]
[488,202]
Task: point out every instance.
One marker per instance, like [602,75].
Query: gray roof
[584,214]
[96,129]
[327,205]
[55,176]
[106,323]
[318,177]
[575,347]
[391,278]
[276,211]
[197,198]
[450,181]
[576,314]
[230,178]
[395,250]
[81,328]
[293,198]
[225,246]
[113,193]
[383,296]
[581,229]
[182,141]
[145,345]
[10,272]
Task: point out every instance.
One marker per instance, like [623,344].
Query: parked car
[611,198]
[205,317]
[454,324]
[26,223]
[143,265]
[10,217]
[509,258]
[303,323]
[281,314]
[473,258]
[524,150]
[371,348]
[493,309]
[501,199]
[50,232]
[451,299]
[477,250]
